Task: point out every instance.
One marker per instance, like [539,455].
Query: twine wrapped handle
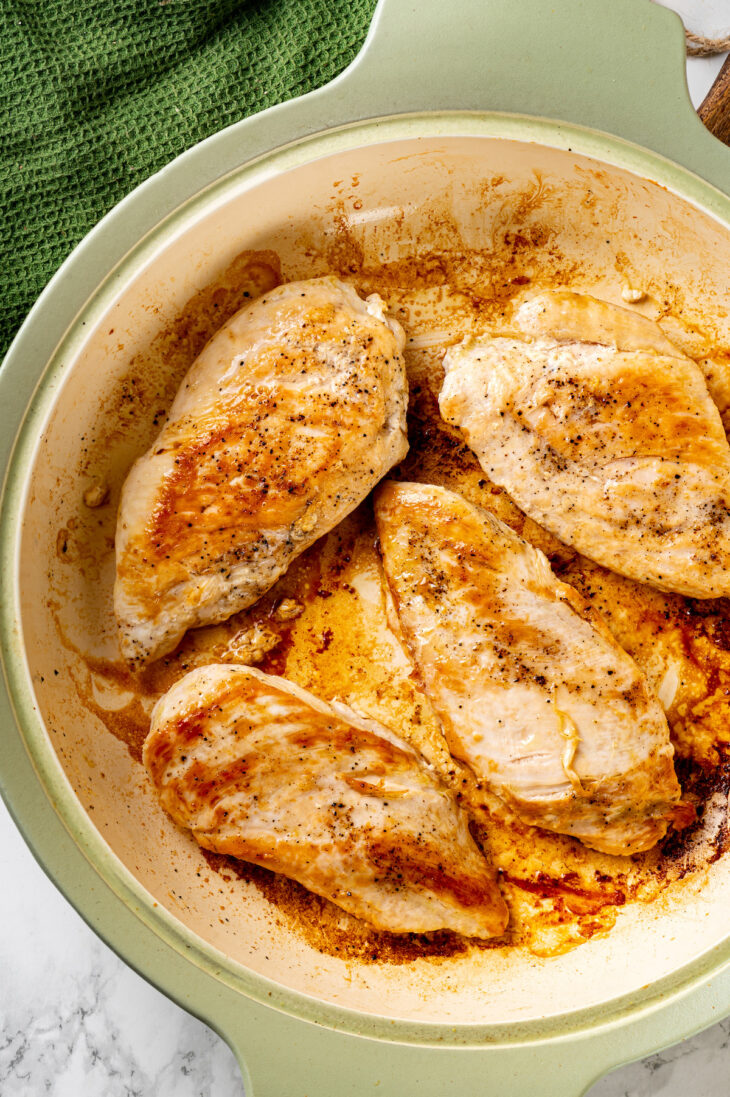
[699,46]
[715,107]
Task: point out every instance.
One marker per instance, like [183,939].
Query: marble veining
[77,1022]
[698,1066]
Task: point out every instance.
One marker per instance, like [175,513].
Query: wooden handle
[715,108]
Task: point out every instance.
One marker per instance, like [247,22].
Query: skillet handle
[715,108]
[281,1056]
[618,67]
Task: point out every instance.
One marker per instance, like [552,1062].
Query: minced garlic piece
[288,609]
[96,495]
[632,296]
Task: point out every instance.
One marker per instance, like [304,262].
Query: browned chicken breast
[532,691]
[260,769]
[605,434]
[286,420]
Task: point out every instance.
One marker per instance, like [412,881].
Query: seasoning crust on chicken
[532,691]
[293,411]
[605,434]
[260,769]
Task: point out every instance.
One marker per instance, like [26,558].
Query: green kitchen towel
[96,95]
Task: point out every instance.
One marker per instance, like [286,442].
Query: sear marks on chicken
[532,691]
[605,434]
[262,770]
[293,411]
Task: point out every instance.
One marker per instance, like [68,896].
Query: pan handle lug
[280,1056]
[618,68]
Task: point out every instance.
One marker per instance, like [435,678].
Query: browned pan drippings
[333,639]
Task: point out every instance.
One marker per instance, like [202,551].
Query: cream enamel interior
[392,199]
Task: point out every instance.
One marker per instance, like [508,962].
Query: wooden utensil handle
[715,108]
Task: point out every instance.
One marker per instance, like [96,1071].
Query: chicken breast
[260,769]
[606,435]
[532,691]
[286,420]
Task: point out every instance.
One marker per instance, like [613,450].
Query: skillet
[480,120]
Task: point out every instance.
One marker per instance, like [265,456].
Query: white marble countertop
[75,1020]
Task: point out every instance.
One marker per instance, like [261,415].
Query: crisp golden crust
[604,434]
[263,771]
[289,416]
[597,418]
[531,688]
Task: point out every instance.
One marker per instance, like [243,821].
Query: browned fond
[559,893]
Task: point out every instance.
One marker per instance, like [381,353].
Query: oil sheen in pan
[324,624]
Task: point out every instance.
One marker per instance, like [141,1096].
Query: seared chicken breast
[285,421]
[532,691]
[262,770]
[605,434]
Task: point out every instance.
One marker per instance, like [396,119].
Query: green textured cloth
[96,96]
